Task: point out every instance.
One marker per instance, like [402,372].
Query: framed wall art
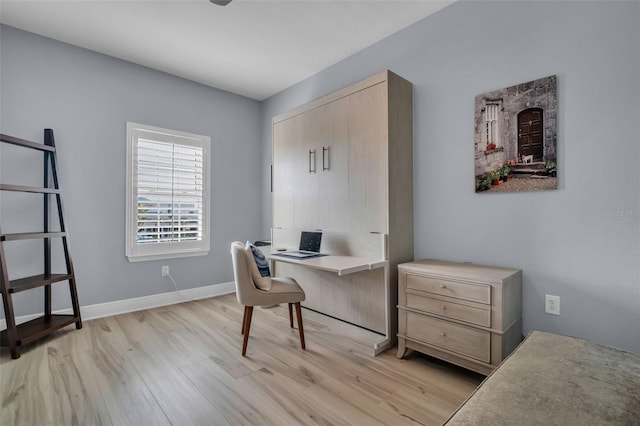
[516,138]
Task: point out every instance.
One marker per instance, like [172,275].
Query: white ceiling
[254,48]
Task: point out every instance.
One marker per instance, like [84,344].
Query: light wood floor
[181,365]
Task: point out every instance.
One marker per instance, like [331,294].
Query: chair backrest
[242,273]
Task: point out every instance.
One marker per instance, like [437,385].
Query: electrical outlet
[165,270]
[552,304]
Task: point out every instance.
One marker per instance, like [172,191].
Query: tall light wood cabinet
[343,164]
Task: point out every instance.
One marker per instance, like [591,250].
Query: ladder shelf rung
[37,328]
[31,235]
[27,283]
[20,188]
[25,143]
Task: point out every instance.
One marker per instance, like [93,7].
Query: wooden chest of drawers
[466,314]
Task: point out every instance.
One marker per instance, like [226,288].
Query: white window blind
[168,199]
[170,195]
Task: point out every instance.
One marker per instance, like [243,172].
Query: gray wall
[581,242]
[87,98]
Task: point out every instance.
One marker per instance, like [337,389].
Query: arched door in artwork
[530,138]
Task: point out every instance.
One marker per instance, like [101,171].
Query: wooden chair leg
[244,320]
[299,315]
[291,314]
[248,313]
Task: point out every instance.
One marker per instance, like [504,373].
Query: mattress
[557,380]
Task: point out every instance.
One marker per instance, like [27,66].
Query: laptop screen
[310,241]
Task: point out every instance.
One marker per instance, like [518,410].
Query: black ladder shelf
[16,336]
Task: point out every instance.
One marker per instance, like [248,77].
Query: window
[491,123]
[167,193]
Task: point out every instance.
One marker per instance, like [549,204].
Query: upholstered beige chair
[283,290]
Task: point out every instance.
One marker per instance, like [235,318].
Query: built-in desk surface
[342,265]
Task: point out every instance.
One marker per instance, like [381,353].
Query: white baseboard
[101,310]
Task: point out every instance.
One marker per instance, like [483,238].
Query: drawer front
[472,314]
[453,337]
[475,292]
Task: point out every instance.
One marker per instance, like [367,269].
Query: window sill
[497,149]
[159,256]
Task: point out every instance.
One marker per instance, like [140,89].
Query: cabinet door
[368,160]
[333,166]
[285,136]
[305,174]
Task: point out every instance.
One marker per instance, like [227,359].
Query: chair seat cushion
[283,290]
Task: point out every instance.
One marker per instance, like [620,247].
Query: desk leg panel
[358,298]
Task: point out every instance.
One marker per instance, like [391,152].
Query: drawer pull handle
[443,334]
[443,286]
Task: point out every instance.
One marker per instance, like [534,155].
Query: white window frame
[135,251]
[491,115]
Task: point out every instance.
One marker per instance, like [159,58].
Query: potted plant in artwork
[478,183]
[485,183]
[487,180]
[551,168]
[504,173]
[482,183]
[494,177]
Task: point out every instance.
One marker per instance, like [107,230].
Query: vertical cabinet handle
[312,163]
[325,155]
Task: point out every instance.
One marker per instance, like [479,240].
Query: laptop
[309,246]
